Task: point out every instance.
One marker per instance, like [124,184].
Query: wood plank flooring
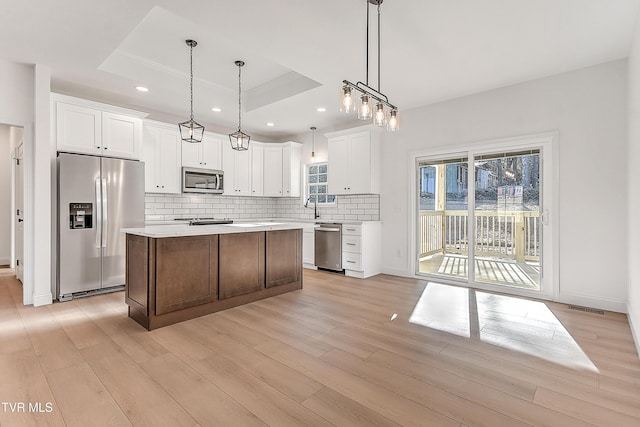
[384,351]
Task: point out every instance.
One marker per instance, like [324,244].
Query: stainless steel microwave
[196,180]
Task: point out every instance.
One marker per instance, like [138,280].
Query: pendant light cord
[378,47]
[239,96]
[191,76]
[367,41]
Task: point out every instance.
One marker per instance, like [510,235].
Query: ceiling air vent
[586,309]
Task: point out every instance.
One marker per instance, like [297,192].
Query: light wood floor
[331,354]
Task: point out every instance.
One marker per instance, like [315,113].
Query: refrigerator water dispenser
[80,215]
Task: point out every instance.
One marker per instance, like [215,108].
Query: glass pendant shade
[191,131]
[392,123]
[379,118]
[365,112]
[239,140]
[347,103]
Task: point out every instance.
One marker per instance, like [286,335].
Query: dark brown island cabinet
[172,279]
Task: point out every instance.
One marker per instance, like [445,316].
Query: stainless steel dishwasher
[328,246]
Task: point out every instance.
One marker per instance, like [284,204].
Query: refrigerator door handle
[104,212]
[98,212]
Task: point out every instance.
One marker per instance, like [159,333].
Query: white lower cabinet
[308,249]
[362,249]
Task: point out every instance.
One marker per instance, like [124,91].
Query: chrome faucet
[316,215]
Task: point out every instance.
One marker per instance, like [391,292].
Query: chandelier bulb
[392,123]
[347,104]
[365,112]
[380,118]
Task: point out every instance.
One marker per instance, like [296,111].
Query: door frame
[549,147]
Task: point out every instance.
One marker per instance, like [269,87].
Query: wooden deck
[384,351]
[522,274]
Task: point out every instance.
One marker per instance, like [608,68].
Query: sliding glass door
[506,216]
[442,213]
[484,225]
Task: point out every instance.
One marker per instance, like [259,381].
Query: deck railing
[506,234]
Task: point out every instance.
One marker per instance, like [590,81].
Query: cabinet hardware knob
[106,148]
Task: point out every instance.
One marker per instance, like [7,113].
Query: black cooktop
[210,221]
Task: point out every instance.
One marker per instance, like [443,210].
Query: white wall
[5,195]
[24,102]
[589,109]
[634,184]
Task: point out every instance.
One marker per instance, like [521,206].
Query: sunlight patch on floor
[509,322]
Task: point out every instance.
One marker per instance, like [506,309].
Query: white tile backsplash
[166,207]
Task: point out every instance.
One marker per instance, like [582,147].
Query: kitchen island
[180,272]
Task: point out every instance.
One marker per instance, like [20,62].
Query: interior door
[19,218]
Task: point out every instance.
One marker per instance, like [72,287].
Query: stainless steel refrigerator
[97,197]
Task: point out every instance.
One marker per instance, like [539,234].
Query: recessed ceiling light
[216,109]
[321,109]
[270,124]
[142,89]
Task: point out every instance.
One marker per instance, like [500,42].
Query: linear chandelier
[191,131]
[369,94]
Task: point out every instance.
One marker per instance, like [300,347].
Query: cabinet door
[186,272]
[308,247]
[257,171]
[359,163]
[169,162]
[291,158]
[191,153]
[150,138]
[121,136]
[242,173]
[212,152]
[79,129]
[241,263]
[339,166]
[273,170]
[284,257]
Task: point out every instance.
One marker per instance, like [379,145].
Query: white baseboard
[42,299]
[309,266]
[396,272]
[5,261]
[587,301]
[634,330]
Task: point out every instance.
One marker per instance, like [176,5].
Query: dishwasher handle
[327,229]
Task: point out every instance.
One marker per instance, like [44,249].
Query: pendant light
[191,131]
[368,95]
[239,140]
[313,143]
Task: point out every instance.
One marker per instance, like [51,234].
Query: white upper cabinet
[88,127]
[237,171]
[206,154]
[282,169]
[162,157]
[257,168]
[354,162]
[291,169]
[273,170]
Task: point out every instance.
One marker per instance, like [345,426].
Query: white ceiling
[298,52]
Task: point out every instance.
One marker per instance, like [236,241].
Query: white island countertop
[179,230]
